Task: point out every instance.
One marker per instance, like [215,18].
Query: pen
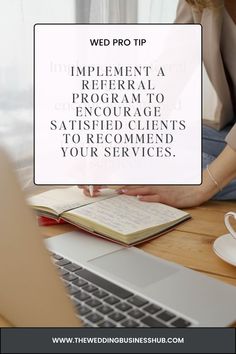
[90,190]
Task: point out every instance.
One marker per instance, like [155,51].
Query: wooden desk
[189,244]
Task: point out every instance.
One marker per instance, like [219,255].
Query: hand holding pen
[94,191]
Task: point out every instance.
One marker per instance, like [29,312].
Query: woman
[218,20]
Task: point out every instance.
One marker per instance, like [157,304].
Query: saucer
[225,248]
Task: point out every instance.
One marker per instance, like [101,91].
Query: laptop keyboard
[101,303]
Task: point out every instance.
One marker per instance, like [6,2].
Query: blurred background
[17,18]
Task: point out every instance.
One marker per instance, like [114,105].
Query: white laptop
[94,282]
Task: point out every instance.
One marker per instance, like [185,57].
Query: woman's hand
[176,196]
[223,170]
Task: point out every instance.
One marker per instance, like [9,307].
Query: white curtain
[157,11]
[17,18]
[126,11]
[113,11]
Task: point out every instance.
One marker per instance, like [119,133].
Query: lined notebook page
[64,199]
[126,214]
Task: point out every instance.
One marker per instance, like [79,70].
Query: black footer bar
[117,340]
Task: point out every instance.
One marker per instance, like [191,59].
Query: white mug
[228,225]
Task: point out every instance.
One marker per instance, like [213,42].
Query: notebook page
[127,214]
[64,199]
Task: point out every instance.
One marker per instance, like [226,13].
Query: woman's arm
[222,171]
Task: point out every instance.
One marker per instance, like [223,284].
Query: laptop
[79,279]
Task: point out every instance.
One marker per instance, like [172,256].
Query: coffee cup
[230,228]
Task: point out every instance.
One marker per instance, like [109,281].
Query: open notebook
[121,218]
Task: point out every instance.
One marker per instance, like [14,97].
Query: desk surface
[189,244]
